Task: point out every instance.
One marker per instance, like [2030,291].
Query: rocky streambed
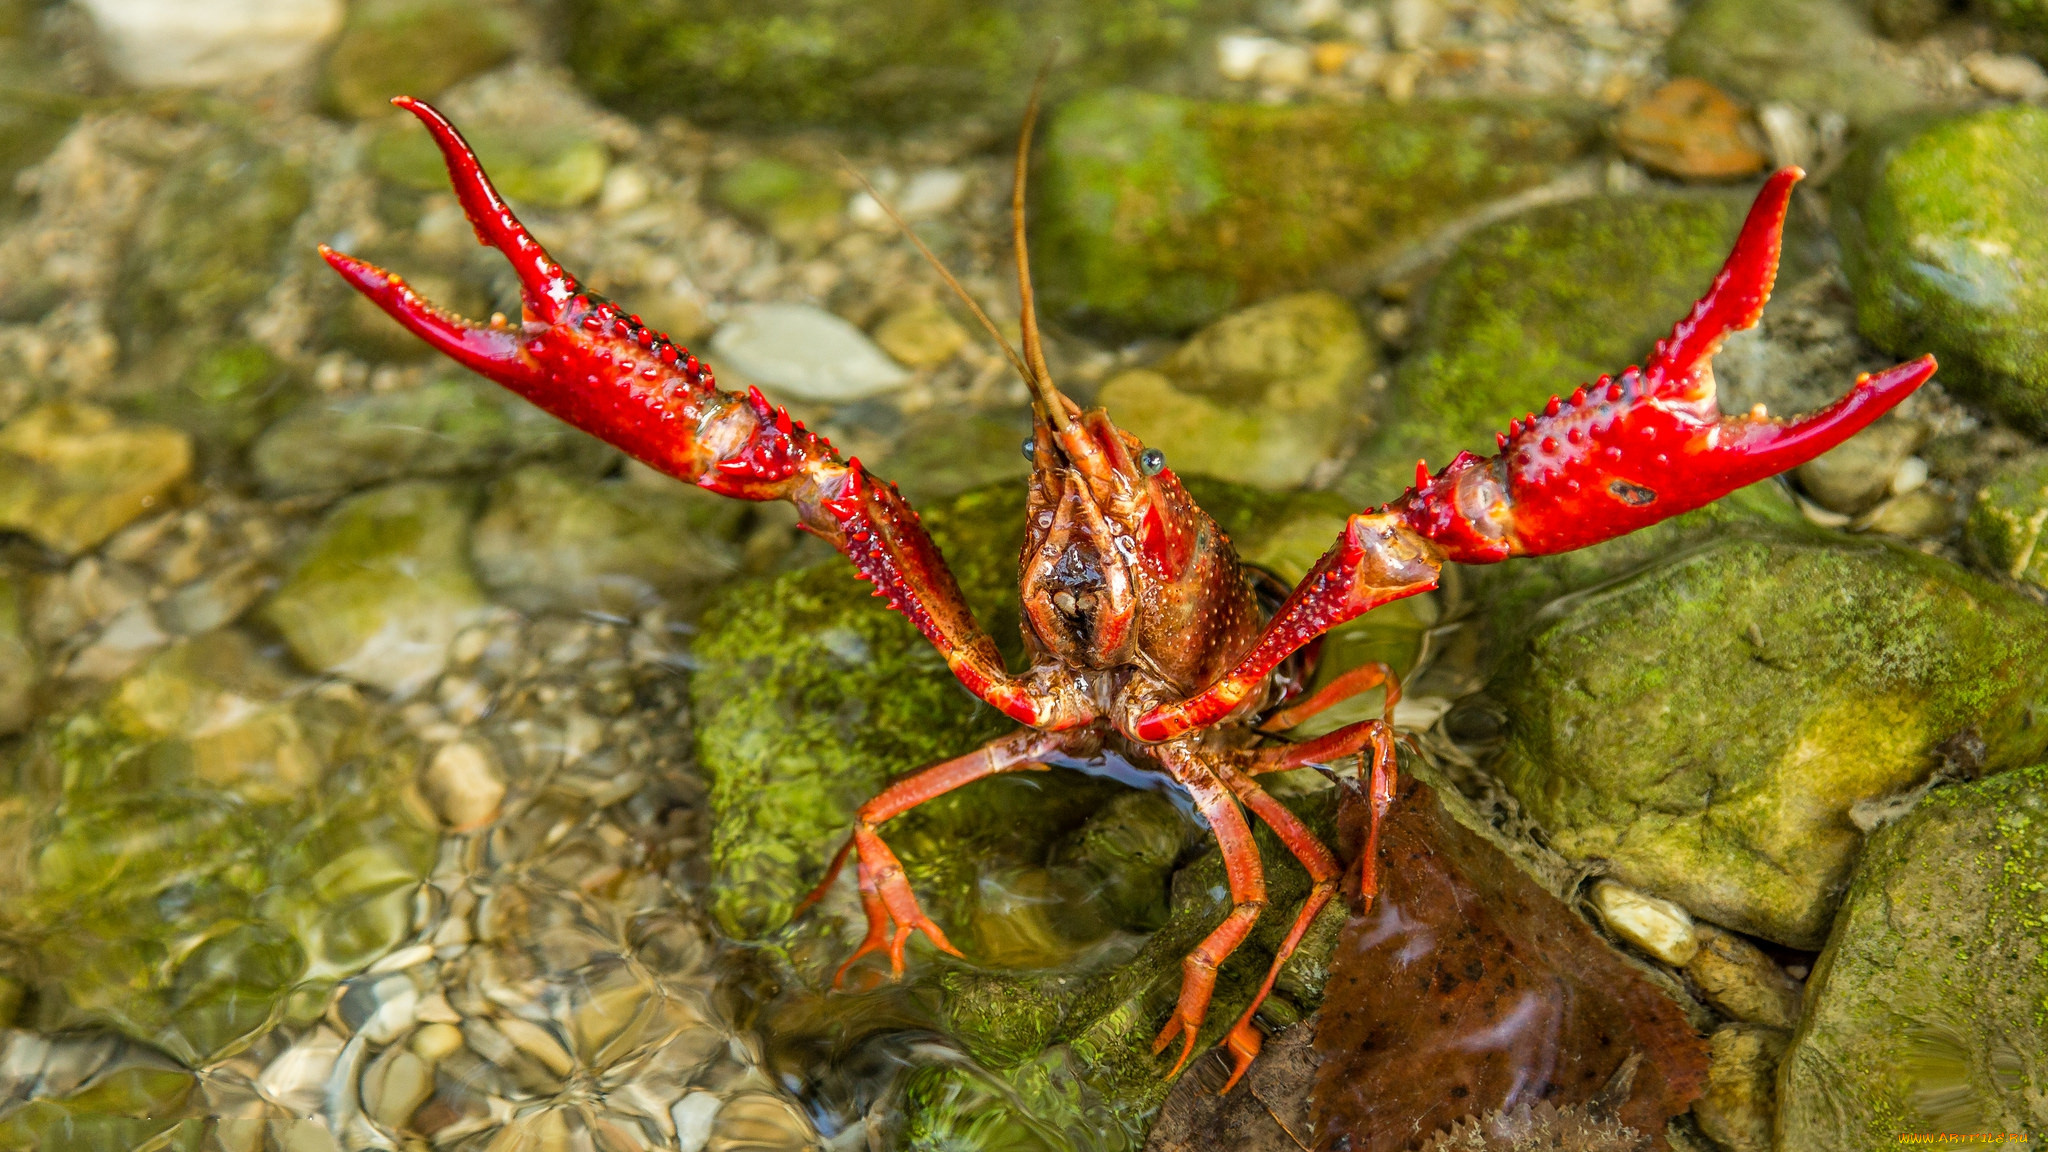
[391,767]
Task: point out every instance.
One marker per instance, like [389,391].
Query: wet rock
[1925,1006]
[464,785]
[923,335]
[1659,927]
[411,47]
[71,475]
[1706,724]
[1741,1096]
[1907,20]
[1858,475]
[1943,238]
[1165,213]
[126,1094]
[946,451]
[815,61]
[1820,55]
[1920,514]
[2006,527]
[555,164]
[1260,397]
[1535,306]
[1737,978]
[797,204]
[804,353]
[448,427]
[381,588]
[1689,129]
[20,671]
[210,241]
[550,540]
[225,396]
[35,112]
[2008,75]
[168,44]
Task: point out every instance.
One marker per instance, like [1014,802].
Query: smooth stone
[1260,397]
[1944,230]
[923,335]
[1741,1097]
[2007,519]
[1819,55]
[449,427]
[174,44]
[464,785]
[1924,1011]
[72,475]
[694,1116]
[760,1122]
[224,703]
[126,641]
[1160,213]
[20,670]
[1659,927]
[1532,307]
[1690,129]
[297,1078]
[382,587]
[1855,476]
[2012,75]
[215,600]
[417,47]
[1737,978]
[1916,515]
[805,353]
[395,1085]
[1707,724]
[549,540]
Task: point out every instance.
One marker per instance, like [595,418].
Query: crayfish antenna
[1040,377]
[548,289]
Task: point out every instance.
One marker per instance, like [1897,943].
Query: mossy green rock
[555,165]
[214,838]
[1262,396]
[72,475]
[2010,518]
[448,427]
[411,48]
[226,395]
[211,239]
[34,114]
[774,63]
[549,540]
[1944,227]
[797,204]
[811,695]
[1159,212]
[1820,55]
[1706,725]
[1928,1012]
[1533,307]
[20,671]
[382,586]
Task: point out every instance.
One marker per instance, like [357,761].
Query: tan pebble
[1741,1103]
[1736,977]
[464,785]
[923,335]
[2007,75]
[1689,129]
[1655,925]
[1917,514]
[436,1042]
[538,1043]
[759,1122]
[395,1085]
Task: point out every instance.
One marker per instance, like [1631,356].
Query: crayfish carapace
[1144,632]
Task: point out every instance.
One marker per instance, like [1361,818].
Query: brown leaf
[1268,1112]
[1467,990]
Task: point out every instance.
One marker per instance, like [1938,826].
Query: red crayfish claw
[1625,452]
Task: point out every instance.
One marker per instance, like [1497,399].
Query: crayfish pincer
[1142,629]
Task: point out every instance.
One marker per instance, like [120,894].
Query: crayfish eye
[1151,461]
[1031,447]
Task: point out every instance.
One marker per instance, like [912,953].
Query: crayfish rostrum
[1145,635]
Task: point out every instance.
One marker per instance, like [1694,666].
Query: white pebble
[464,785]
[1912,474]
[804,352]
[1414,23]
[397,1000]
[1657,926]
[1287,66]
[1238,55]
[694,1115]
[182,44]
[2007,75]
[297,1079]
[931,192]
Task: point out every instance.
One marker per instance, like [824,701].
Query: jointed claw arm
[1617,455]
[581,358]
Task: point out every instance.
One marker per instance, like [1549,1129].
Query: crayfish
[1145,634]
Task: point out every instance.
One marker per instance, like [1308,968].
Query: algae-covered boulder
[217,846]
[2010,518]
[873,66]
[1708,724]
[72,475]
[412,48]
[1925,1011]
[1160,212]
[382,587]
[550,540]
[224,396]
[795,203]
[448,427]
[1944,227]
[1533,307]
[20,672]
[1820,55]
[1259,397]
